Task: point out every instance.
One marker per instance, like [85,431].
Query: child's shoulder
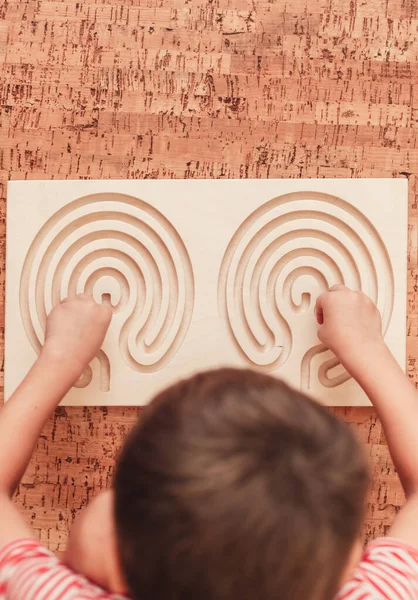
[388,570]
[28,569]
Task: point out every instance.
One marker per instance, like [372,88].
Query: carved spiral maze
[280,259]
[126,252]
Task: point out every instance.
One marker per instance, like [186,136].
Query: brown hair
[233,485]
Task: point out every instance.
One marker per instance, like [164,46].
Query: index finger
[319,312]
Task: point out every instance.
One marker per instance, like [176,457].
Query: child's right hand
[350,325]
[75,331]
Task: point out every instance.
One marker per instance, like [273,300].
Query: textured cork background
[222,88]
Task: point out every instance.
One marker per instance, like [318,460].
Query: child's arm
[74,334]
[350,326]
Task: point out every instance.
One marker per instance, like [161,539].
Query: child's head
[233,485]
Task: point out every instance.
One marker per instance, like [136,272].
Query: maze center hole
[107,290]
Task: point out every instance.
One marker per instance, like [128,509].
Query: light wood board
[225,89]
[203,274]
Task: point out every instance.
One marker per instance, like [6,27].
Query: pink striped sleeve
[28,571]
[387,571]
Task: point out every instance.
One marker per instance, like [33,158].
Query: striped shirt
[28,571]
[388,571]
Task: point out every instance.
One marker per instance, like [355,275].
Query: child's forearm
[396,402]
[24,415]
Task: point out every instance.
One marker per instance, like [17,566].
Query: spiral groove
[284,255]
[124,251]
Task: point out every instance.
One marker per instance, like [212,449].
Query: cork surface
[222,89]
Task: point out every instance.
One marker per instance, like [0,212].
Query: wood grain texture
[222,88]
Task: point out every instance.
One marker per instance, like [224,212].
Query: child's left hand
[75,331]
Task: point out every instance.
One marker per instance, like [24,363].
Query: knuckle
[337,287]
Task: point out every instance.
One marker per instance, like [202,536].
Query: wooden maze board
[222,89]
